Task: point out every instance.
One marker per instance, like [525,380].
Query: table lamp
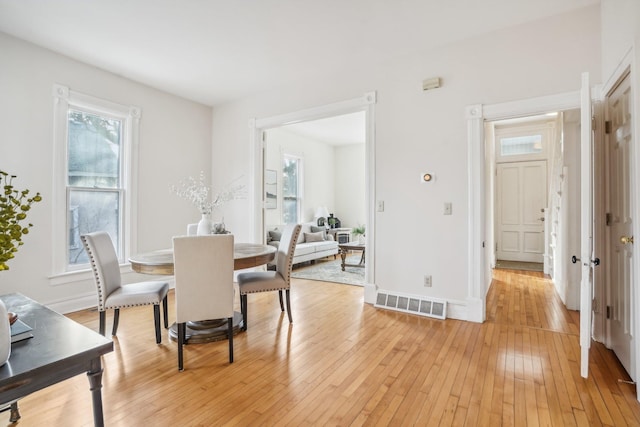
[321,214]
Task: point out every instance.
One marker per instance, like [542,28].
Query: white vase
[5,335]
[204,226]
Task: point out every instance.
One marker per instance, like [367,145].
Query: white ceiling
[215,51]
[346,129]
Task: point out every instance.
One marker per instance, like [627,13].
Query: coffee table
[351,246]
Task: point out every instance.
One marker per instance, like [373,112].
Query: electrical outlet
[447,208]
[427,281]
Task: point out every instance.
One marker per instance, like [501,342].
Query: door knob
[626,239]
[575,259]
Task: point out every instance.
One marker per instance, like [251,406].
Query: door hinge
[496,246]
[608,312]
[608,217]
[593,122]
[594,305]
[607,127]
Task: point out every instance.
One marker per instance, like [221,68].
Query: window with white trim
[94,142]
[291,189]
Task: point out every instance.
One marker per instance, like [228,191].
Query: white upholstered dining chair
[112,294]
[278,280]
[203,268]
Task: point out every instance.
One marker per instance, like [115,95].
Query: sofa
[313,243]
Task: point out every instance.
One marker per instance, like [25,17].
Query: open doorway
[315,175]
[365,103]
[535,193]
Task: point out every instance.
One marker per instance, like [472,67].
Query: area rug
[518,265]
[330,271]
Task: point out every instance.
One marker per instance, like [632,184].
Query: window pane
[290,190]
[92,211]
[94,150]
[519,145]
[290,177]
[290,211]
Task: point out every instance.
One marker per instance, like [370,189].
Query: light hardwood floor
[346,363]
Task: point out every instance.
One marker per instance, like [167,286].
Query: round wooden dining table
[160,262]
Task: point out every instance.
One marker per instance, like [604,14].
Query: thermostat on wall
[426,177]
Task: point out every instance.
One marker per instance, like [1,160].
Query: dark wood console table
[60,349]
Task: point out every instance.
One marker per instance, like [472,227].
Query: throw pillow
[313,237]
[305,228]
[315,229]
[275,235]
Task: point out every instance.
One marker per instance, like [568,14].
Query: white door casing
[620,221]
[586,224]
[521,197]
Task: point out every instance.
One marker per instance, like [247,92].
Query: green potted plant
[14,206]
[358,233]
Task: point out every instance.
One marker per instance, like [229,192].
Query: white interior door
[586,224]
[521,199]
[620,221]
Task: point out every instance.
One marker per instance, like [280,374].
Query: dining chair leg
[165,312]
[289,305]
[230,333]
[243,309]
[280,296]
[182,329]
[156,319]
[116,320]
[103,320]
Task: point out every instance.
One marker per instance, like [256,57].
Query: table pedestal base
[207,330]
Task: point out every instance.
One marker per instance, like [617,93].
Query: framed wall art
[270,189]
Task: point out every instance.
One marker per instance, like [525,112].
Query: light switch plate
[380,206]
[447,208]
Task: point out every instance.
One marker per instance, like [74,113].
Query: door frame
[257,126]
[480,178]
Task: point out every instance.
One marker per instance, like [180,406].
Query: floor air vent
[424,306]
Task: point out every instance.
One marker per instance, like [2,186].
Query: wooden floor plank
[343,362]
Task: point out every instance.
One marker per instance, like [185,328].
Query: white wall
[418,131]
[620,30]
[174,143]
[349,187]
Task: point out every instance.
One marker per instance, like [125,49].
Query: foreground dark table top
[60,349]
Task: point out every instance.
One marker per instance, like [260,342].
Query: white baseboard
[471,310]
[370,293]
[90,299]
[76,303]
